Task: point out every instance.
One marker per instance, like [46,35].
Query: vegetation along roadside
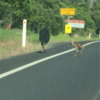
[11,42]
[40,13]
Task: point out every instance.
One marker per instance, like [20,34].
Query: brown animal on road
[78,47]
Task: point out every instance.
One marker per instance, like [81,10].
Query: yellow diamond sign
[68,28]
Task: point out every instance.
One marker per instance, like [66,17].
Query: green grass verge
[65,38]
[6,35]
[11,41]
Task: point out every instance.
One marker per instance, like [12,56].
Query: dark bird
[44,37]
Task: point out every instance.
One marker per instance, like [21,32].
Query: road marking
[38,61]
[97,95]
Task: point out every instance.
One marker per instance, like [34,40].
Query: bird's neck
[72,43]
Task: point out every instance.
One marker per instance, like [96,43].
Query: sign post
[67,11]
[24,33]
[68,23]
[68,29]
[76,24]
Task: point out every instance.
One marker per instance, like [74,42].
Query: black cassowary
[44,37]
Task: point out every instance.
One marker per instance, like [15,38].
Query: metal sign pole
[68,19]
[80,32]
[68,23]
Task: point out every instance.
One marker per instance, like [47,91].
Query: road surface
[55,75]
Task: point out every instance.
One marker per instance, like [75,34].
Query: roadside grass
[6,35]
[11,42]
[66,38]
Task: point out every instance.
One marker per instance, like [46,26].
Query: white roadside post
[99,34]
[24,33]
[90,35]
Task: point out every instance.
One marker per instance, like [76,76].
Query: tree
[6,14]
[39,13]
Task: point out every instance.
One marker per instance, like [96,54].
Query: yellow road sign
[68,28]
[67,11]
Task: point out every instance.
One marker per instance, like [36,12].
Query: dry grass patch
[14,47]
[75,35]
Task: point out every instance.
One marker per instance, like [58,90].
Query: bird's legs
[81,51]
[43,48]
[76,52]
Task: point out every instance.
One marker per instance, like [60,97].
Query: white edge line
[38,61]
[97,95]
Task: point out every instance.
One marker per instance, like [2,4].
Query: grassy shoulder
[11,42]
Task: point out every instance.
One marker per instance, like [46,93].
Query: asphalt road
[61,77]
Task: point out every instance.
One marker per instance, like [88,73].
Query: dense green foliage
[47,12]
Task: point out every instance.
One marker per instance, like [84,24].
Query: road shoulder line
[38,61]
